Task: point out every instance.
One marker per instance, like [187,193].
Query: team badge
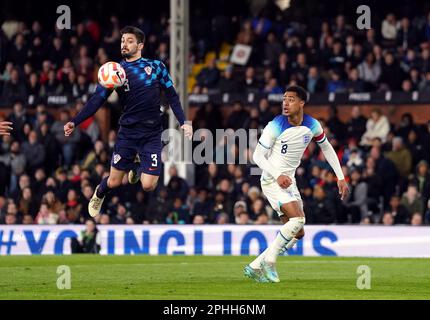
[306,139]
[148,70]
[116,158]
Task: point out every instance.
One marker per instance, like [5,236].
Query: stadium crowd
[46,178]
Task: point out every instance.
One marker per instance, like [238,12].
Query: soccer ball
[111,75]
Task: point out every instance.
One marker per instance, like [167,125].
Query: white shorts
[278,196]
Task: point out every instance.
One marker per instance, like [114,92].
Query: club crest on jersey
[148,70]
[306,139]
[116,158]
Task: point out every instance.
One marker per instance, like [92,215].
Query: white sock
[256,263]
[291,243]
[284,237]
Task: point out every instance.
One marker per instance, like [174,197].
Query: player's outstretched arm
[93,104]
[333,160]
[173,99]
[5,128]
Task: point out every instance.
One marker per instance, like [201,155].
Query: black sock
[103,189]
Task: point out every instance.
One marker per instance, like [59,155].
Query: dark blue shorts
[148,148]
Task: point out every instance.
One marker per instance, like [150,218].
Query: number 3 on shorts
[154,160]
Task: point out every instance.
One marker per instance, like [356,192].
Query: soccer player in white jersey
[278,154]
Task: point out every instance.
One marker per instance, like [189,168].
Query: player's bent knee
[300,234]
[298,223]
[114,182]
[149,187]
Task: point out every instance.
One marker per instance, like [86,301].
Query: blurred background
[369,88]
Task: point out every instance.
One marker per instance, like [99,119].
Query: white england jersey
[287,143]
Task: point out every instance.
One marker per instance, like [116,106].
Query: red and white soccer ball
[111,75]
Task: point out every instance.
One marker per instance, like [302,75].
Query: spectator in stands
[198,219]
[376,127]
[19,51]
[243,218]
[315,83]
[356,202]
[68,144]
[422,180]
[354,83]
[222,218]
[104,219]
[19,118]
[389,30]
[11,219]
[89,240]
[227,83]
[272,50]
[208,76]
[427,213]
[417,219]
[415,79]
[237,118]
[177,187]
[398,211]
[406,36]
[407,86]
[387,219]
[15,161]
[28,204]
[179,213]
[321,209]
[282,70]
[158,207]
[386,171]
[51,85]
[356,126]
[34,152]
[33,88]
[311,51]
[203,204]
[401,157]
[412,200]
[120,215]
[44,216]
[391,74]
[250,83]
[369,71]
[300,68]
[273,87]
[265,115]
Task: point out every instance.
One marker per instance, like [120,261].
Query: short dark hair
[140,35]
[300,92]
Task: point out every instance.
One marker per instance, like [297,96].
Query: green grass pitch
[201,277]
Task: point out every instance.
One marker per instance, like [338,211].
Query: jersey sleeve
[99,97]
[318,132]
[166,83]
[269,135]
[164,76]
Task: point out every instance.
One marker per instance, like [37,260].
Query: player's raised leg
[287,233]
[149,182]
[150,162]
[112,181]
